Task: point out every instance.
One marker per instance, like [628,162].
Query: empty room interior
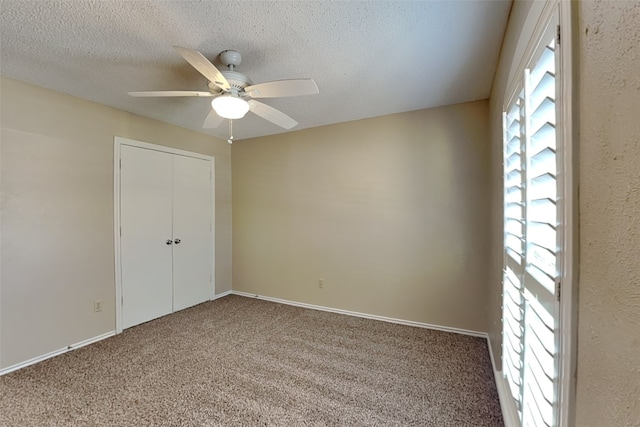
[320,213]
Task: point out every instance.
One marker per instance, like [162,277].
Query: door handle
[177,241]
[169,242]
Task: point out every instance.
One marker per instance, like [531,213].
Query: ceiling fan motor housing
[237,81]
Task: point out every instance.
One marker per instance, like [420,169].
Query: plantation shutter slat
[543,187]
[514,178]
[546,63]
[514,128]
[545,113]
[543,209]
[545,88]
[542,293]
[544,137]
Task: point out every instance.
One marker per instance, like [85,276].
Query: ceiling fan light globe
[230,107]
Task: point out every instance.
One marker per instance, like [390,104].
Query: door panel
[145,217]
[193,256]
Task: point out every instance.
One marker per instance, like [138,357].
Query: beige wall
[391,212]
[609,310]
[608,378]
[57,245]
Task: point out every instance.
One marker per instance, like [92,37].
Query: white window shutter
[531,239]
[513,302]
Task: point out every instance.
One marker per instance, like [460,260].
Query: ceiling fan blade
[212,121]
[271,114]
[281,88]
[157,93]
[204,66]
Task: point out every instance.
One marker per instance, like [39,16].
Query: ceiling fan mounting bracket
[230,58]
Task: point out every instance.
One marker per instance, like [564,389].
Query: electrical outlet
[320,283]
[97,306]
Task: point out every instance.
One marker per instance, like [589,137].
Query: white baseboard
[365,315]
[56,353]
[509,411]
[223,294]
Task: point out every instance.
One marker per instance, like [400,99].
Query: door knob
[177,241]
[169,241]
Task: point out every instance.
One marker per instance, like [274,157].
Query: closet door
[192,251]
[146,182]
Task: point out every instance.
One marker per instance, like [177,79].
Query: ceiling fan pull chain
[230,140]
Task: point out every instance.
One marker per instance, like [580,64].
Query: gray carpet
[245,362]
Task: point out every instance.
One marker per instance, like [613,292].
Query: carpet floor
[240,361]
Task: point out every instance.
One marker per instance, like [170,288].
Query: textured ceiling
[368,58]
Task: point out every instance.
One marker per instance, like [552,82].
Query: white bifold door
[166,253]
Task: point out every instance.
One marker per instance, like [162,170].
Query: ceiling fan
[234,93]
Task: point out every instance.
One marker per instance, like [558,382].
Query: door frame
[118,142]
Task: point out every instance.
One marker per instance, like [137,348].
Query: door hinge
[558,34]
[120,231]
[558,290]
[120,163]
